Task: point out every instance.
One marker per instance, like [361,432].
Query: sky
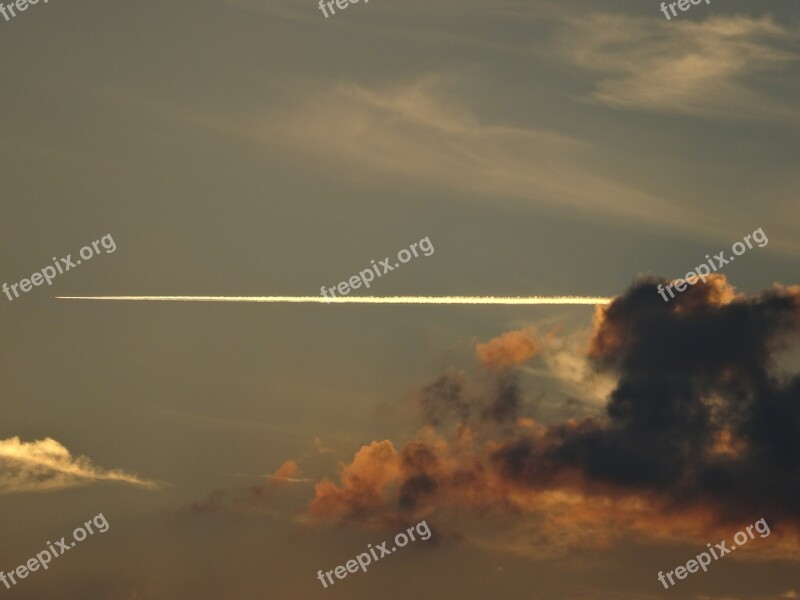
[527,148]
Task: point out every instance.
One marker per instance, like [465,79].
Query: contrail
[360,299]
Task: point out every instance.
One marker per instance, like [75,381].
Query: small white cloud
[45,465]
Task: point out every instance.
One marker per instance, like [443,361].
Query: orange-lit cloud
[287,473]
[692,421]
[361,490]
[510,349]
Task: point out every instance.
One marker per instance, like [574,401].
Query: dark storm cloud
[697,415]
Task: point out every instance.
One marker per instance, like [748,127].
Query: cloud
[45,465]
[566,358]
[362,482]
[423,130]
[697,438]
[691,373]
[287,472]
[684,67]
[255,499]
[510,349]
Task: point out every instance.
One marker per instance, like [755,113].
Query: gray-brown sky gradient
[253,147]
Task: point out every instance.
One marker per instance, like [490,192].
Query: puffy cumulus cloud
[697,438]
[694,377]
[46,464]
[692,372]
[361,491]
[682,66]
[510,349]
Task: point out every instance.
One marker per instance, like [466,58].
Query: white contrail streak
[360,299]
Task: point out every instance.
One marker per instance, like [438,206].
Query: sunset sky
[258,148]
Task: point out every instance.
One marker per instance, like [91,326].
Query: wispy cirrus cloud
[45,465]
[699,68]
[424,130]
